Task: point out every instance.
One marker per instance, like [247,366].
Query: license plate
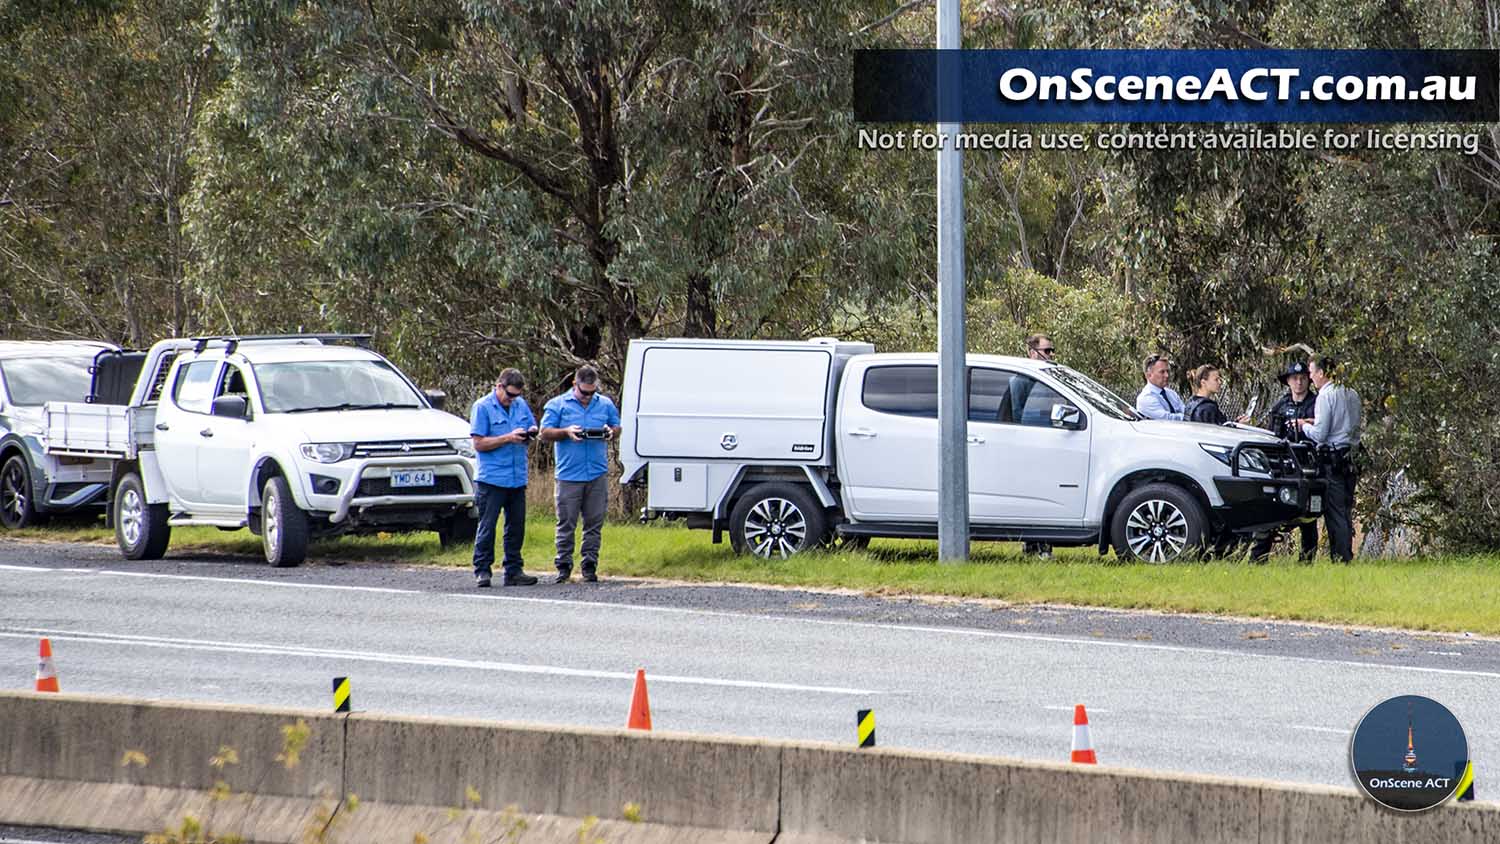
[1316,504]
[412,477]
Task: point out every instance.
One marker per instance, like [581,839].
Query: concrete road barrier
[63,762]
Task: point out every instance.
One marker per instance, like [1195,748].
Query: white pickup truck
[292,436]
[793,445]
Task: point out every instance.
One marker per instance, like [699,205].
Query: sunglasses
[1047,351]
[511,390]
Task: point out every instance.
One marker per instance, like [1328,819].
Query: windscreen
[302,386]
[1101,397]
[35,381]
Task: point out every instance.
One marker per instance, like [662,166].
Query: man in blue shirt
[1156,399]
[500,424]
[581,423]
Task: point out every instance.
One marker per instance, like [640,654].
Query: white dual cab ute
[793,445]
[292,436]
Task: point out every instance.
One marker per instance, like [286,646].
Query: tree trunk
[700,319]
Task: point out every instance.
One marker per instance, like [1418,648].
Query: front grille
[443,485]
[403,448]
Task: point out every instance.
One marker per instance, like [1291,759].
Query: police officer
[1335,428]
[1296,404]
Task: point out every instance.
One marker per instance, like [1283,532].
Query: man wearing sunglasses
[1038,347]
[500,425]
[582,467]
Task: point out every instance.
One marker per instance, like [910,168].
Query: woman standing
[1203,407]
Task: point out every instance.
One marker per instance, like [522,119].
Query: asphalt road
[1164,692]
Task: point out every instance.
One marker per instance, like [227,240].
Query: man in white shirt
[1156,399]
[1335,425]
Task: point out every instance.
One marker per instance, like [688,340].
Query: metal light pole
[953,398]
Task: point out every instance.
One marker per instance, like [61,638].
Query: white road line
[909,628]
[1319,729]
[404,659]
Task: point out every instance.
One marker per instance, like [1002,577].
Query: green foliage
[483,185]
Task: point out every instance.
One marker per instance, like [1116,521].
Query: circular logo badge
[1409,753]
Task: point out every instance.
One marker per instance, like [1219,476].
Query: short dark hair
[1036,340]
[1327,363]
[510,377]
[586,375]
[1153,360]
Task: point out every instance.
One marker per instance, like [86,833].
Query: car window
[193,390]
[989,395]
[1036,410]
[232,383]
[902,390]
[38,380]
[296,386]
[1004,397]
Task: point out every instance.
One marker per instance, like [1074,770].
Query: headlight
[464,446]
[1251,459]
[1219,452]
[1254,460]
[327,452]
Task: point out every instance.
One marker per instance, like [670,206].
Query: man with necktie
[1156,400]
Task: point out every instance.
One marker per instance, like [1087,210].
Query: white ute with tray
[793,445]
[292,436]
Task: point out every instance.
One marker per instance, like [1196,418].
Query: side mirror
[234,407]
[436,398]
[1066,416]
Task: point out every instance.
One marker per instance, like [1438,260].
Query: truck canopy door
[750,404]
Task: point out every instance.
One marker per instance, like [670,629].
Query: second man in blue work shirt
[581,423]
[500,424]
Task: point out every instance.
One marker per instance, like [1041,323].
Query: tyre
[457,531]
[17,506]
[283,526]
[141,527]
[775,521]
[1159,523]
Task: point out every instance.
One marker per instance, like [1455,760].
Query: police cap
[1295,368]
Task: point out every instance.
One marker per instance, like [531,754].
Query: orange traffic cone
[640,707]
[46,675]
[1083,747]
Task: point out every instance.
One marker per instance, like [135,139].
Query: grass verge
[1454,593]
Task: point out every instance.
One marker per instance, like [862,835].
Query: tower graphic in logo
[1409,762]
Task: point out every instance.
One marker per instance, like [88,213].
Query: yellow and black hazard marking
[1466,783]
[341,694]
[865,723]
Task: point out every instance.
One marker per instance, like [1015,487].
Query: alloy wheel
[1156,531]
[271,527]
[130,515]
[775,527]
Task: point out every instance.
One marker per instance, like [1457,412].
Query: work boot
[563,576]
[519,580]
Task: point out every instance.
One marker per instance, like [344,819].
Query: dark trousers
[589,499]
[1309,531]
[1338,515]
[490,500]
